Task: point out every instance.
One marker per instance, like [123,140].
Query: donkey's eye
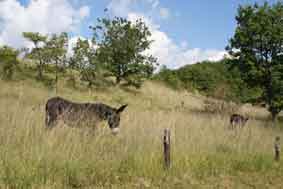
[108,115]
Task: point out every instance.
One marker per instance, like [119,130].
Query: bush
[169,77]
[8,58]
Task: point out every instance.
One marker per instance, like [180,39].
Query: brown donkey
[238,120]
[81,114]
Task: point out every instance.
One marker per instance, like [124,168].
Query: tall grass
[205,153]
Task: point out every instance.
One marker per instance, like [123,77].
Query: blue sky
[186,31]
[201,23]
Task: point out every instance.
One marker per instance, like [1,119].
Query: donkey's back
[72,113]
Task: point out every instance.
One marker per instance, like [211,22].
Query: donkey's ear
[119,110]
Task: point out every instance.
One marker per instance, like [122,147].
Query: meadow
[205,152]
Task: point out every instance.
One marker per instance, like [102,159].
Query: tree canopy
[121,49]
[258,47]
[84,60]
[9,61]
[37,53]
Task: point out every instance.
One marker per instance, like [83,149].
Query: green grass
[205,153]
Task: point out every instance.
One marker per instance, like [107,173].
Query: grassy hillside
[205,153]
[221,80]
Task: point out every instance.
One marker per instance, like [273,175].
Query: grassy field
[205,153]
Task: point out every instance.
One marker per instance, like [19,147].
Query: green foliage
[257,46]
[84,60]
[55,53]
[8,59]
[48,50]
[37,53]
[203,77]
[121,49]
[119,53]
[217,79]
[169,77]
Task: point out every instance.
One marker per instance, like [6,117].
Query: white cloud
[48,16]
[120,7]
[123,7]
[171,54]
[164,13]
[191,56]
[84,12]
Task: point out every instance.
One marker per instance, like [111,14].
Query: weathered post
[166,144]
[277,148]
[182,104]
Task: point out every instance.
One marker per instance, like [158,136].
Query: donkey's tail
[47,116]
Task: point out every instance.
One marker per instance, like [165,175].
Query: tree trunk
[40,67]
[56,76]
[118,80]
[119,74]
[40,70]
[90,84]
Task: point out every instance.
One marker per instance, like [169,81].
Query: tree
[37,53]
[8,59]
[258,47]
[55,52]
[121,46]
[84,60]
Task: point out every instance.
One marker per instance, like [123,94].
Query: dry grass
[205,153]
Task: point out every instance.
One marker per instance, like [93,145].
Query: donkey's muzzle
[115,131]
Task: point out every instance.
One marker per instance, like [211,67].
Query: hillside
[221,80]
[205,153]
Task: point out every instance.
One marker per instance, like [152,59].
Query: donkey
[81,114]
[238,120]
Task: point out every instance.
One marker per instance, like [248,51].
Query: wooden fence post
[277,148]
[166,144]
[182,104]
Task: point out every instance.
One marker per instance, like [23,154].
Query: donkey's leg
[232,125]
[47,119]
[50,120]
[91,127]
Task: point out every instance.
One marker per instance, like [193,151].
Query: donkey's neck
[103,111]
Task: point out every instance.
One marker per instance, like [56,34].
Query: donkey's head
[245,120]
[114,119]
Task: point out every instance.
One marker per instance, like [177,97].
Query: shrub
[8,58]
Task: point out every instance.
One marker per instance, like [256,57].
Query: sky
[184,31]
